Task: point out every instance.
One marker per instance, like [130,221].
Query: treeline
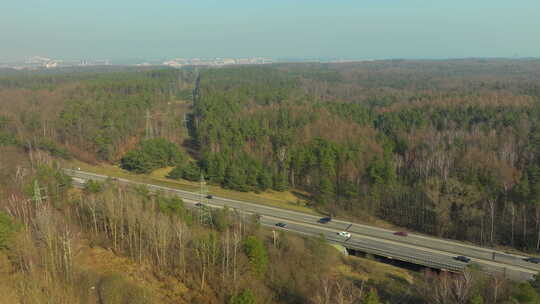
[52,78]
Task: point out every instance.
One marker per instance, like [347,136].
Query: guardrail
[404,257]
[364,248]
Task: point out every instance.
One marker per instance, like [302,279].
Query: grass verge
[283,200]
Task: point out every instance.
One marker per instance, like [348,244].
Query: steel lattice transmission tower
[38,197]
[149,130]
[205,215]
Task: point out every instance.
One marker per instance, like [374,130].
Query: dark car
[325,220]
[209,196]
[463,259]
[199,204]
[282,225]
[532,260]
[401,233]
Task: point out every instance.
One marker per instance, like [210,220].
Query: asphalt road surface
[423,250]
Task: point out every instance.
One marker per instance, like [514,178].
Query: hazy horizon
[415,29]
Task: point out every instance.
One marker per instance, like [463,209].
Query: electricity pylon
[149,131]
[205,215]
[38,197]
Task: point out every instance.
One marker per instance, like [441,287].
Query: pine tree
[372,297]
[258,258]
[245,297]
[477,299]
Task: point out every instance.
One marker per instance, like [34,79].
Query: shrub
[258,257]
[93,186]
[7,139]
[190,171]
[245,297]
[152,154]
[7,230]
[526,294]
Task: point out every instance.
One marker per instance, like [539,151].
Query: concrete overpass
[418,249]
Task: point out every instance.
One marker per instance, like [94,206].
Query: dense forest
[96,116]
[448,148]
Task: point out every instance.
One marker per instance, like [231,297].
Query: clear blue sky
[119,29]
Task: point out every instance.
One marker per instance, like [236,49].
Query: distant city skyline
[348,29]
[40,62]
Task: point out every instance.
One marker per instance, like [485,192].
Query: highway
[423,250]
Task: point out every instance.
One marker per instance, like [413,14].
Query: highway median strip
[310,220]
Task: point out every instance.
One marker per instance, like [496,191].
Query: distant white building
[51,64]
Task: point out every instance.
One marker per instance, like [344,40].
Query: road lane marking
[302,221]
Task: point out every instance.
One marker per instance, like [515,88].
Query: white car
[344,234]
